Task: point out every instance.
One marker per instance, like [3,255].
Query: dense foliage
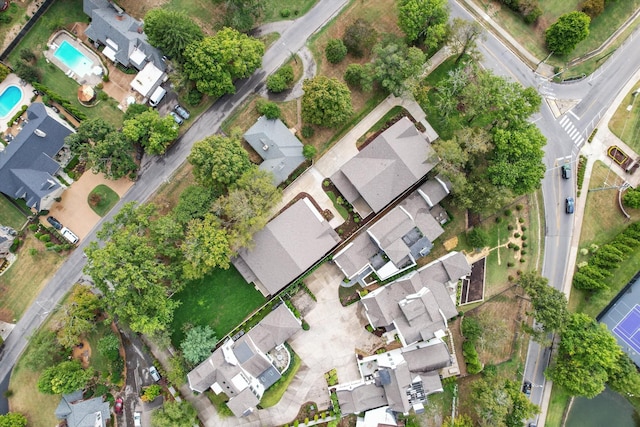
[326,102]
[569,30]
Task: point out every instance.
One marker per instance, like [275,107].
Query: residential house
[27,165]
[286,247]
[394,243]
[279,148]
[125,43]
[387,167]
[413,309]
[78,412]
[243,368]
[416,306]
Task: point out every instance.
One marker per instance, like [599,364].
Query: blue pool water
[73,59]
[9,99]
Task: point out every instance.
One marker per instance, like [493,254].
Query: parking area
[74,212]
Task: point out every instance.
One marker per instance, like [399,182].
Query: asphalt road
[157,170]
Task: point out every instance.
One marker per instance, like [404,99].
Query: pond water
[606,409]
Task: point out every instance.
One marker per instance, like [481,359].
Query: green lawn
[221,300]
[557,404]
[17,14]
[105,197]
[340,208]
[273,395]
[10,215]
[626,124]
[273,9]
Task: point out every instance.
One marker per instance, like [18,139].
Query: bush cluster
[471,330]
[281,79]
[71,109]
[528,9]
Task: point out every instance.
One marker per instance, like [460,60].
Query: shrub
[478,238]
[521,220]
[194,97]
[307,132]
[510,278]
[4,72]
[524,228]
[593,8]
[33,227]
[510,264]
[523,260]
[519,207]
[516,248]
[335,51]
[268,109]
[305,326]
[14,246]
[523,252]
[28,73]
[281,79]
[309,151]
[285,13]
[516,235]
[525,244]
[524,237]
[507,212]
[498,219]
[45,238]
[471,329]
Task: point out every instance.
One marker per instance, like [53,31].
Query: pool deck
[56,40]
[27,93]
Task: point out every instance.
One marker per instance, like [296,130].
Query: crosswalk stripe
[563,120]
[580,141]
[570,128]
[573,134]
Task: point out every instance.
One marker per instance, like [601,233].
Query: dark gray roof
[269,377]
[396,390]
[27,167]
[288,245]
[280,150]
[243,403]
[276,328]
[83,413]
[361,398]
[126,32]
[203,376]
[427,358]
[447,269]
[389,165]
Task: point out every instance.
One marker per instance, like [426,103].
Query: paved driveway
[74,212]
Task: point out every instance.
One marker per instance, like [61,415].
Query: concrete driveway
[74,212]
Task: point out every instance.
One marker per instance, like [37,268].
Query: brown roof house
[393,162]
[279,148]
[394,243]
[415,308]
[286,247]
[243,368]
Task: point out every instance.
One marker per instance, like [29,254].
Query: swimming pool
[9,99]
[73,59]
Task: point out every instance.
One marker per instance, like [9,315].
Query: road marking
[563,120]
[574,134]
[572,113]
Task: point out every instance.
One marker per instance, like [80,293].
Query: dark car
[181,111]
[176,118]
[54,223]
[526,388]
[118,406]
[569,205]
[566,170]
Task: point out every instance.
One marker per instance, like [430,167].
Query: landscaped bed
[102,199]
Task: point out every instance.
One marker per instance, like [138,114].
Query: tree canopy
[65,377]
[171,31]
[569,30]
[206,246]
[499,402]
[153,132]
[396,65]
[198,343]
[464,35]
[326,101]
[218,161]
[78,316]
[215,62]
[359,38]
[112,156]
[549,304]
[424,21]
[174,414]
[587,354]
[13,419]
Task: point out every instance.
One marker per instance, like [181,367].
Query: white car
[154,374]
[137,419]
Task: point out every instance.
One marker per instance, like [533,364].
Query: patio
[25,98]
[88,70]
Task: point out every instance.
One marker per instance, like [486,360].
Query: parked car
[176,118]
[181,111]
[118,406]
[566,170]
[137,419]
[569,205]
[526,388]
[154,374]
[54,223]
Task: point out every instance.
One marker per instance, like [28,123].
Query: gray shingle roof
[121,28]
[83,413]
[288,245]
[391,163]
[361,398]
[428,358]
[280,150]
[276,328]
[396,390]
[27,167]
[243,403]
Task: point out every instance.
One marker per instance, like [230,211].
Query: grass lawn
[221,300]
[273,9]
[557,404]
[24,280]
[39,408]
[10,215]
[340,208]
[16,11]
[102,199]
[272,396]
[626,124]
[168,195]
[97,361]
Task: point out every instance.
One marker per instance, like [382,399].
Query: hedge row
[528,9]
[71,109]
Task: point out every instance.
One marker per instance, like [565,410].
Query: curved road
[157,170]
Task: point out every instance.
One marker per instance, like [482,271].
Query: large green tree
[242,14]
[624,376]
[396,66]
[112,156]
[132,269]
[44,350]
[218,161]
[66,377]
[463,38]
[499,402]
[247,207]
[78,316]
[549,304]
[153,132]
[206,246]
[326,101]
[587,354]
[424,21]
[171,31]
[198,343]
[89,132]
[569,30]
[360,37]
[194,202]
[175,414]
[215,62]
